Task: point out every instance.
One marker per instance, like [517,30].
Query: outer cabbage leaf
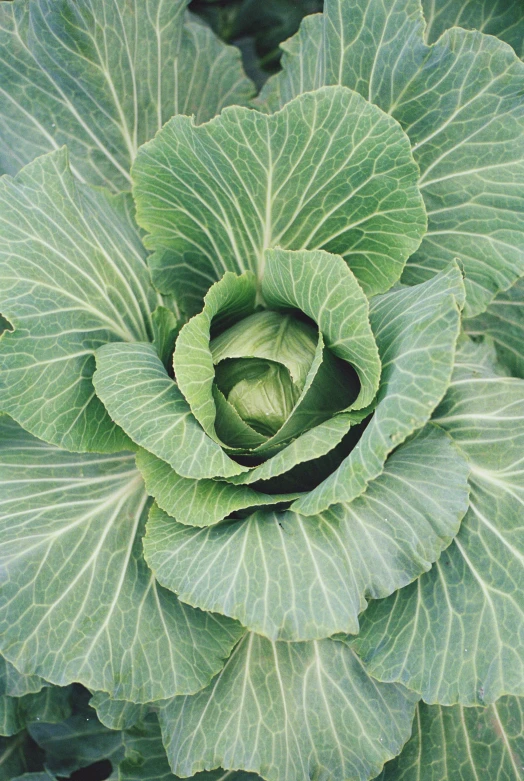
[52,704]
[459,101]
[291,577]
[503,18]
[289,711]
[463,744]
[457,634]
[503,321]
[79,601]
[102,77]
[139,394]
[15,684]
[117,714]
[199,502]
[146,758]
[72,277]
[415,329]
[213,198]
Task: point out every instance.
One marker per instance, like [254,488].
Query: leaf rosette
[257,429]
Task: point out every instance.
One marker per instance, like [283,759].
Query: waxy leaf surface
[292,577]
[290,711]
[139,394]
[102,77]
[79,601]
[213,198]
[463,744]
[457,634]
[459,101]
[146,758]
[72,277]
[503,18]
[415,329]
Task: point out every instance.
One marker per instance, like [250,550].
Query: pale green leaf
[371,46]
[103,77]
[463,744]
[457,634]
[142,398]
[415,329]
[51,704]
[503,18]
[15,684]
[459,101]
[309,446]
[324,288]
[72,277]
[291,577]
[231,428]
[117,714]
[270,336]
[465,118]
[146,758]
[231,297]
[503,321]
[213,198]
[198,502]
[79,603]
[289,711]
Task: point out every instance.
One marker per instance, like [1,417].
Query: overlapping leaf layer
[262,395]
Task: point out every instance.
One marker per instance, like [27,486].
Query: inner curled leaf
[262,363]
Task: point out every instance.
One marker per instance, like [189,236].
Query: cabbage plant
[262,402]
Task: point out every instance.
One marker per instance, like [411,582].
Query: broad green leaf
[51,704]
[289,711]
[198,502]
[19,755]
[324,288]
[291,577]
[459,101]
[371,46]
[38,776]
[457,634]
[146,758]
[142,398]
[117,714]
[309,446]
[464,116]
[79,603]
[15,684]
[78,741]
[233,297]
[503,18]
[213,198]
[503,321]
[103,77]
[463,744]
[415,329]
[72,277]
